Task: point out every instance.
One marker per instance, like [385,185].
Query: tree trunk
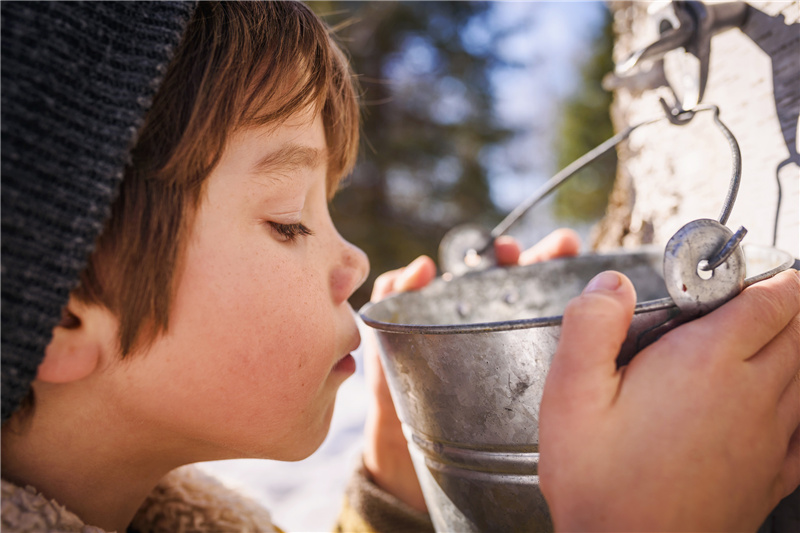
[669,175]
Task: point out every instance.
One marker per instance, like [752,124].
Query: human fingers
[384,285]
[744,325]
[778,363]
[790,473]
[506,250]
[416,275]
[788,410]
[562,242]
[595,324]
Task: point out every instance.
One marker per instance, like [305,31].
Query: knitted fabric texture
[77,79]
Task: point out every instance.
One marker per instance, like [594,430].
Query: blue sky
[550,43]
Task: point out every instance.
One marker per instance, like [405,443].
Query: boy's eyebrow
[290,157]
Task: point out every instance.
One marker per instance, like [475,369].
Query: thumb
[595,324]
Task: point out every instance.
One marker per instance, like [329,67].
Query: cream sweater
[186,500]
[189,501]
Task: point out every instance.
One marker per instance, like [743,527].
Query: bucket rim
[490,327]
[538,322]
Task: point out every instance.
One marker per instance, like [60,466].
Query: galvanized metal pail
[466,361]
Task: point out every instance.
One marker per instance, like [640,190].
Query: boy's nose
[350,273]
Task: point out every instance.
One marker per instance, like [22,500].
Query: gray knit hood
[77,80]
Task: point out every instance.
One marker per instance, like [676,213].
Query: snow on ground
[306,496]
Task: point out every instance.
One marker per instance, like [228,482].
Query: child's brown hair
[239,64]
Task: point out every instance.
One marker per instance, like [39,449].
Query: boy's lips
[347,363]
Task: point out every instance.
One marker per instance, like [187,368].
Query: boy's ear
[79,343]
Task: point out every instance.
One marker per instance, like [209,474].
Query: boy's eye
[290,232]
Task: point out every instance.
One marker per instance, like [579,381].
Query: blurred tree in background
[586,123]
[429,121]
[419,172]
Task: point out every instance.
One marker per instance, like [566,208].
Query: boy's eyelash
[290,232]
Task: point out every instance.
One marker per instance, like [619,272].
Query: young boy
[212,321]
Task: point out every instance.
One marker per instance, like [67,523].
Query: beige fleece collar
[186,500]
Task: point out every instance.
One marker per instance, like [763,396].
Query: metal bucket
[466,361]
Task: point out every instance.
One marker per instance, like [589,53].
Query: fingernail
[604,281]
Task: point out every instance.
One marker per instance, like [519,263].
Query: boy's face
[261,331]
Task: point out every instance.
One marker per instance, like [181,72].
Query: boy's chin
[309,442]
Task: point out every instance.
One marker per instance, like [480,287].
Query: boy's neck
[93,463]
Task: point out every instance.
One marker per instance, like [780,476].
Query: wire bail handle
[468,248]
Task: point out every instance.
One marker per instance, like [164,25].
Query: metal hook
[725,252]
[686,25]
[675,114]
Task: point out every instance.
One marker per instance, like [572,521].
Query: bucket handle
[676,117]
[468,248]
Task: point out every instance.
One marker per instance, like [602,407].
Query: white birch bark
[669,175]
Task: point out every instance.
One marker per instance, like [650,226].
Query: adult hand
[699,432]
[386,454]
